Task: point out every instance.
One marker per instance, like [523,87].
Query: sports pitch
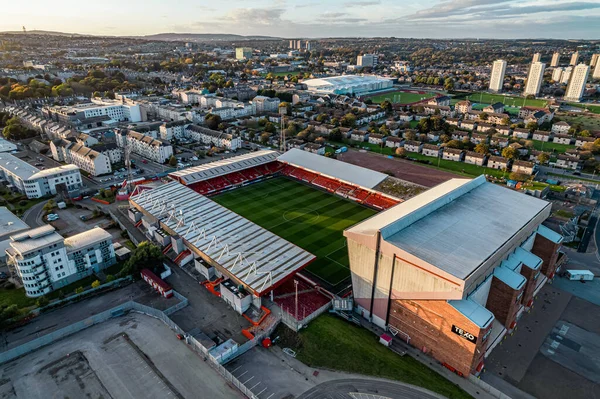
[488,98]
[312,219]
[401,97]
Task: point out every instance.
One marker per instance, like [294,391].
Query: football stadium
[288,236]
[263,225]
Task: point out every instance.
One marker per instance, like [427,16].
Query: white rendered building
[348,84]
[576,86]
[535,78]
[157,150]
[497,75]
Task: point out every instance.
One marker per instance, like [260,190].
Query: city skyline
[505,19]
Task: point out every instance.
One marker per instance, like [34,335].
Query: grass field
[312,219]
[587,122]
[332,343]
[488,98]
[550,147]
[594,108]
[401,97]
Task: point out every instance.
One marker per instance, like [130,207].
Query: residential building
[453,154]
[503,129]
[413,146]
[119,111]
[243,53]
[171,130]
[377,139]
[484,127]
[561,127]
[555,59]
[557,74]
[535,78]
[496,108]
[90,160]
[541,135]
[562,139]
[431,150]
[458,135]
[453,121]
[157,150]
[569,162]
[479,138]
[576,86]
[35,183]
[497,75]
[580,141]
[468,125]
[463,107]
[496,162]
[394,142]
[574,58]
[45,261]
[441,101]
[315,148]
[367,60]
[594,60]
[213,137]
[526,167]
[521,133]
[499,142]
[566,75]
[266,104]
[524,112]
[537,57]
[359,135]
[475,158]
[596,74]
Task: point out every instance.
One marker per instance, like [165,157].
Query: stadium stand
[304,175]
[235,178]
[379,201]
[251,173]
[358,194]
[219,183]
[202,187]
[310,298]
[327,183]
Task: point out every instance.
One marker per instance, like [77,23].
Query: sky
[560,19]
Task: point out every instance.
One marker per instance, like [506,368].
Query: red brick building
[451,270]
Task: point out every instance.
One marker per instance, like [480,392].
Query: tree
[110,278]
[584,133]
[270,127]
[454,144]
[79,290]
[506,121]
[401,152]
[509,153]
[173,161]
[543,158]
[335,135]
[96,284]
[531,126]
[51,204]
[144,256]
[212,121]
[264,138]
[484,116]
[349,120]
[410,135]
[481,148]
[449,84]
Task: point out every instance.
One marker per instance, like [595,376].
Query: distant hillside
[41,32]
[203,37]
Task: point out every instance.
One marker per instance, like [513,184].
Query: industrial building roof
[54,171]
[342,82]
[219,168]
[457,225]
[333,168]
[252,255]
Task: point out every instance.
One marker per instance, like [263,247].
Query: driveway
[33,215]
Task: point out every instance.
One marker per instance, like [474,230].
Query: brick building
[449,276]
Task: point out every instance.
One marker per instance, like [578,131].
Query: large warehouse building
[452,270]
[348,84]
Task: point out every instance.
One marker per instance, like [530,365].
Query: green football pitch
[401,97]
[312,219]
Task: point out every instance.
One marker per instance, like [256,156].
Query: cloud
[365,3]
[468,10]
[332,15]
[254,16]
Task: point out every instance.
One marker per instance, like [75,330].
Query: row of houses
[155,149]
[96,161]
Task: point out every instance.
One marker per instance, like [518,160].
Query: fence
[147,310]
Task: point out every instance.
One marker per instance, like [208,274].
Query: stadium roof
[252,255]
[332,83]
[333,168]
[223,167]
[455,226]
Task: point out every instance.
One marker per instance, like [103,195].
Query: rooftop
[219,168]
[455,226]
[35,239]
[333,168]
[9,223]
[87,238]
[250,254]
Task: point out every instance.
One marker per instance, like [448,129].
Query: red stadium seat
[327,183]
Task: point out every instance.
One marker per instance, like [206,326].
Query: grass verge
[332,343]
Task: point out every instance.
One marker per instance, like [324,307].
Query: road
[367,389]
[33,215]
[567,175]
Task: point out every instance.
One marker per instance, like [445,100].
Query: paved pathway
[367,389]
[33,215]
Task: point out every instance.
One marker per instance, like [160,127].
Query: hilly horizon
[166,36]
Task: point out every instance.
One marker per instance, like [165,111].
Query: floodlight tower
[128,150]
[282,114]
[24,30]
